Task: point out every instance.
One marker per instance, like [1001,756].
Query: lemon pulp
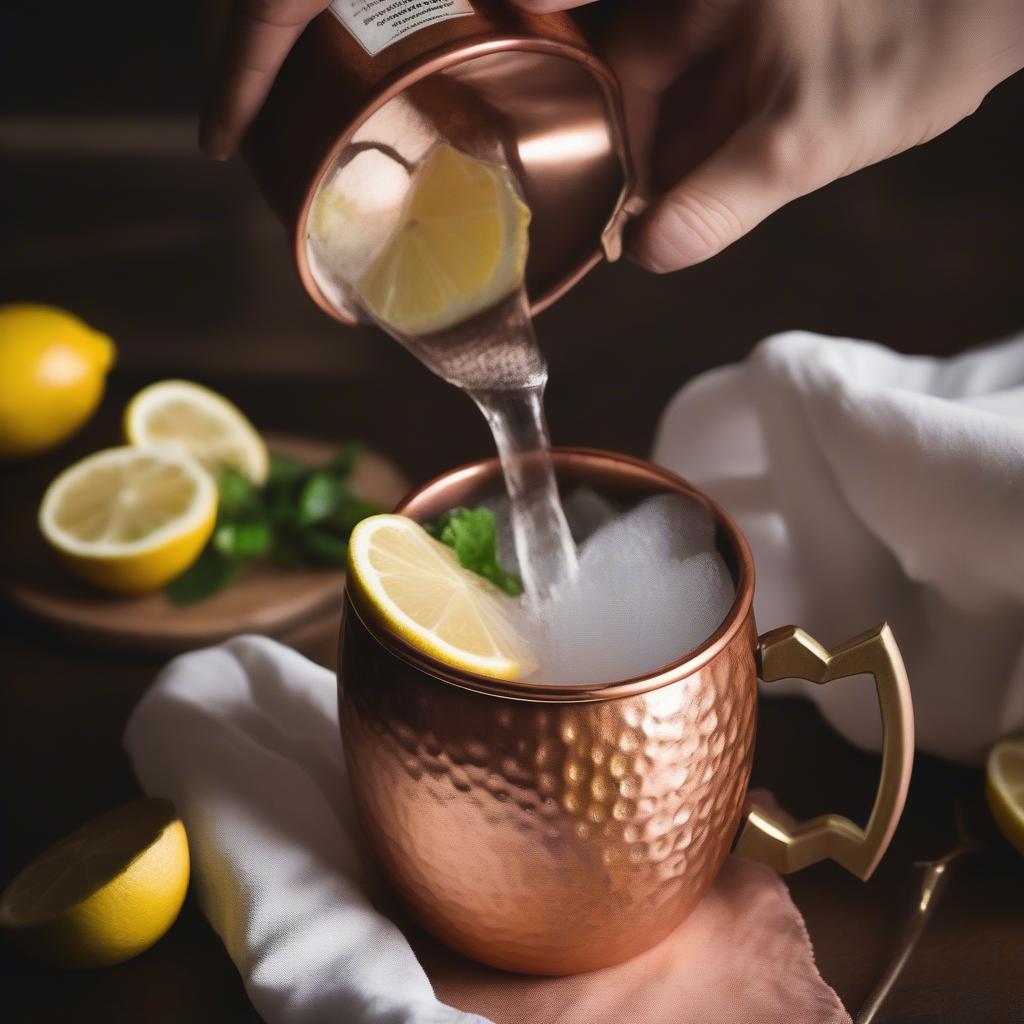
[458,248]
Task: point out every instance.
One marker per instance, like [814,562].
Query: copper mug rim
[690,662]
[438,60]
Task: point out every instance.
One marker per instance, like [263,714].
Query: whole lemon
[53,368]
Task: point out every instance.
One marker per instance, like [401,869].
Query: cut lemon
[130,519]
[459,247]
[106,892]
[1004,788]
[418,588]
[186,417]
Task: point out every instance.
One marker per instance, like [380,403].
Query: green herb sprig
[473,534]
[301,516]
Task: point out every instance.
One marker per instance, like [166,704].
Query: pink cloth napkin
[244,739]
[742,957]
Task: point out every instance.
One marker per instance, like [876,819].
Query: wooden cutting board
[267,599]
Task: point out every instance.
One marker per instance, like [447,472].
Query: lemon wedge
[130,519]
[106,892]
[459,246]
[1004,788]
[186,417]
[416,585]
[53,369]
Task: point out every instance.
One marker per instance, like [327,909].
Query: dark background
[107,209]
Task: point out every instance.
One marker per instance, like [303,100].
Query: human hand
[255,37]
[739,106]
[735,107]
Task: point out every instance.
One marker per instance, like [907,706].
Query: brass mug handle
[789,652]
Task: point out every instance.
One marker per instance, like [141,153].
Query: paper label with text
[377,24]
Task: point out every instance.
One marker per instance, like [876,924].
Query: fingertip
[662,242]
[637,252]
[726,196]
[642,260]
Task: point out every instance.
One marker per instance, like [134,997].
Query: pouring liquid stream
[495,359]
[444,277]
[544,545]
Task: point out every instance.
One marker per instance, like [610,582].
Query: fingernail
[644,262]
[640,252]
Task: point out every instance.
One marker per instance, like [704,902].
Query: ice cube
[586,511]
[651,588]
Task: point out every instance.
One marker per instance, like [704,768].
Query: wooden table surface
[178,259]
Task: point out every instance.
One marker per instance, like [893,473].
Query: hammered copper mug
[555,829]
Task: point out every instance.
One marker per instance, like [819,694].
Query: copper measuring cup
[531,79]
[556,829]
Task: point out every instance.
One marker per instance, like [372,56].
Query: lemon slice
[459,247]
[130,519]
[106,892]
[1004,788]
[417,586]
[187,417]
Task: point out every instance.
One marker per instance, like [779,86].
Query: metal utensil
[935,876]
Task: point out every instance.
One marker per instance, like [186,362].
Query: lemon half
[106,892]
[418,588]
[185,417]
[130,519]
[1004,788]
[53,369]
[459,247]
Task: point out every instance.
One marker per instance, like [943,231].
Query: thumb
[759,169]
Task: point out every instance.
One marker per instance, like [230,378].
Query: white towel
[875,486]
[244,738]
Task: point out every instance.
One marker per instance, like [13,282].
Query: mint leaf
[242,540]
[209,574]
[284,469]
[323,548]
[236,495]
[474,536]
[301,516]
[322,497]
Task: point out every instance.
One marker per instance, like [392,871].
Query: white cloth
[875,486]
[244,739]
